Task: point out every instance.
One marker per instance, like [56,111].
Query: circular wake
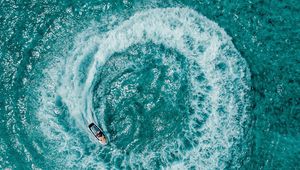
[166,85]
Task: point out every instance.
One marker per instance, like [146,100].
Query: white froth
[182,29]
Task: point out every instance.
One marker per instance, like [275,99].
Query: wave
[98,81]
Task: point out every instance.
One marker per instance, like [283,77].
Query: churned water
[173,84]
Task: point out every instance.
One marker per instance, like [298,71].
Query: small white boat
[98,133]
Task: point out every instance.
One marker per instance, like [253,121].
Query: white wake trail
[198,39]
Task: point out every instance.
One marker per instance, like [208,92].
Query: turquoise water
[174,84]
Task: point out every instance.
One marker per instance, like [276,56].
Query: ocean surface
[205,84]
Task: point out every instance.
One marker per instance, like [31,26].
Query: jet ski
[98,133]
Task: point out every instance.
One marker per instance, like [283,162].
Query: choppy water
[174,85]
